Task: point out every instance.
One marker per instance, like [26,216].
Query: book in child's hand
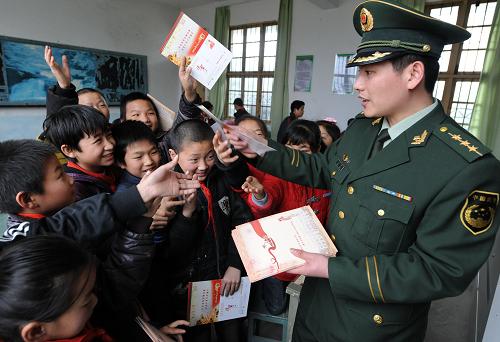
[207,305]
[154,334]
[207,57]
[264,244]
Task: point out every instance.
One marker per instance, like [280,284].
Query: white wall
[118,25]
[322,33]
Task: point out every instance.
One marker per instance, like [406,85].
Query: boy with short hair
[205,223]
[82,134]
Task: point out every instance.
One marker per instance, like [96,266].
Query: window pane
[447,14]
[252,64]
[237,36]
[444,61]
[250,98]
[267,84]
[477,14]
[272,32]
[265,113]
[490,12]
[266,99]
[253,34]
[439,89]
[233,95]
[235,83]
[250,109]
[269,63]
[236,64]
[270,48]
[250,84]
[463,101]
[252,49]
[237,50]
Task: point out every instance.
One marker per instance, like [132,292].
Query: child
[266,194]
[35,192]
[136,153]
[64,92]
[330,132]
[48,292]
[205,224]
[82,134]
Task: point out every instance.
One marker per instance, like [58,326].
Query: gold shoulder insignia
[419,139]
[478,211]
[376,121]
[465,143]
[461,141]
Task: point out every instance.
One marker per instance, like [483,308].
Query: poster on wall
[303,73]
[25,77]
[343,78]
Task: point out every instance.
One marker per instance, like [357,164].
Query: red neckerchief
[32,215]
[89,334]
[108,179]
[208,196]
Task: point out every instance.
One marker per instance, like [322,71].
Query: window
[343,77]
[251,72]
[461,64]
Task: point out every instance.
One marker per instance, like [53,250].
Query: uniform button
[334,173]
[341,214]
[333,237]
[378,319]
[381,212]
[443,129]
[350,190]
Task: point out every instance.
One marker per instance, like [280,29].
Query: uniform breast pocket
[381,223]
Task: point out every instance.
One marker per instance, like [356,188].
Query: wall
[117,25]
[322,33]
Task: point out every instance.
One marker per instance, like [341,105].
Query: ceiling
[193,3]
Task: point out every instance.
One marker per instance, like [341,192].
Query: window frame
[452,76]
[259,74]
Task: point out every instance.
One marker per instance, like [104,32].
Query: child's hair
[70,124]
[261,123]
[136,95]
[22,165]
[129,132]
[332,129]
[303,132]
[38,280]
[296,105]
[193,130]
[208,105]
[90,90]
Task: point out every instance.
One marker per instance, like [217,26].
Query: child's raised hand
[165,212]
[252,185]
[62,74]
[223,150]
[230,281]
[188,83]
[189,205]
[172,329]
[165,182]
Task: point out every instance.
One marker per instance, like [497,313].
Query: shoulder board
[360,116]
[461,141]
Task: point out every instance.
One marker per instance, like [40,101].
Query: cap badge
[366,20]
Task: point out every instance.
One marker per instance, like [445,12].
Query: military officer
[414,195]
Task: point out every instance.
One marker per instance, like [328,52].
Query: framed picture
[343,78]
[25,77]
[303,73]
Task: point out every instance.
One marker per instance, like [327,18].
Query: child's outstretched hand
[230,281]
[188,83]
[165,212]
[172,329]
[253,186]
[223,150]
[189,205]
[62,74]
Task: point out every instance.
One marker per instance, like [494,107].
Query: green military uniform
[412,224]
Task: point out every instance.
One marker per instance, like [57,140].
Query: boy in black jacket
[200,246]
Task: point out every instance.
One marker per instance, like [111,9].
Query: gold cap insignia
[366,20]
[478,211]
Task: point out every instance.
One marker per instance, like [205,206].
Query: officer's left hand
[316,264]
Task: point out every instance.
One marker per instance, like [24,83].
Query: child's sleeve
[87,221]
[187,110]
[240,213]
[58,97]
[182,235]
